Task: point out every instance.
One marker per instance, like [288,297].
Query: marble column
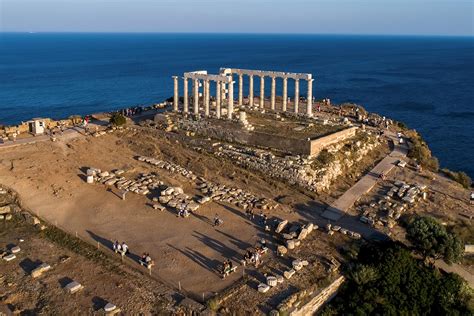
[185,96]
[218,98]
[206,97]
[230,102]
[297,95]
[241,89]
[176,94]
[285,93]
[262,92]
[196,96]
[272,97]
[251,90]
[309,105]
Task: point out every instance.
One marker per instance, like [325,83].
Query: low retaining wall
[318,144]
[319,300]
[286,144]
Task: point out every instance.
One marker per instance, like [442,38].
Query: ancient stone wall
[319,144]
[258,139]
[319,300]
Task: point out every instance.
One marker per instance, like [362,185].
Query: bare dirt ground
[446,200]
[104,280]
[50,179]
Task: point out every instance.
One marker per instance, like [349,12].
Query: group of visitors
[131,111]
[121,248]
[227,268]
[183,212]
[253,256]
[146,260]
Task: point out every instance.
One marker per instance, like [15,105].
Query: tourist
[218,221]
[116,246]
[319,107]
[124,248]
[263,218]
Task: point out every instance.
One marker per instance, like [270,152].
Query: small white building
[37,126]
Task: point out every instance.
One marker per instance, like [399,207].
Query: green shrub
[323,159]
[460,177]
[213,304]
[396,283]
[433,240]
[118,119]
[419,150]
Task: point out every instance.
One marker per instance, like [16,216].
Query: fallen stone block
[304,263]
[280,279]
[263,288]
[73,287]
[290,244]
[281,250]
[40,270]
[159,207]
[297,265]
[272,281]
[9,257]
[5,209]
[15,249]
[281,226]
[303,233]
[288,274]
[8,217]
[111,309]
[310,227]
[204,200]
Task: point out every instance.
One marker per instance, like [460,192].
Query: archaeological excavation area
[212,179]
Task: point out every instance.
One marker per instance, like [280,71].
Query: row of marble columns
[220,96]
[309,99]
[221,92]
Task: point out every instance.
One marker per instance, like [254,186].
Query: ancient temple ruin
[224,83]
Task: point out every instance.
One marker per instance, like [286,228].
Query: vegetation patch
[388,280]
[118,119]
[460,177]
[432,239]
[421,153]
[323,159]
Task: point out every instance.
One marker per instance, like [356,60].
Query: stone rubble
[387,211]
[213,191]
[294,169]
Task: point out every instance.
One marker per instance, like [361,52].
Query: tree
[118,119]
[388,280]
[364,274]
[433,240]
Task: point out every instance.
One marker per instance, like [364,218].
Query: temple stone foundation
[224,93]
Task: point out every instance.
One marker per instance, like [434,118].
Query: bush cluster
[432,239]
[388,280]
[460,177]
[419,150]
[118,119]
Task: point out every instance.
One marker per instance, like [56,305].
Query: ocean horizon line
[471,36]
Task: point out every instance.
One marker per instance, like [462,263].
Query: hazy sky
[434,17]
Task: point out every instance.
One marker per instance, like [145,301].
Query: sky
[391,17]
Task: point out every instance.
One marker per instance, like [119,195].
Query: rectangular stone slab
[73,287]
[9,257]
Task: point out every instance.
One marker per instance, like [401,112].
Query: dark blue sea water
[426,82]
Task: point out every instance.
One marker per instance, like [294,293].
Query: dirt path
[338,208]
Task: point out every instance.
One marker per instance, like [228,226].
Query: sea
[426,82]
